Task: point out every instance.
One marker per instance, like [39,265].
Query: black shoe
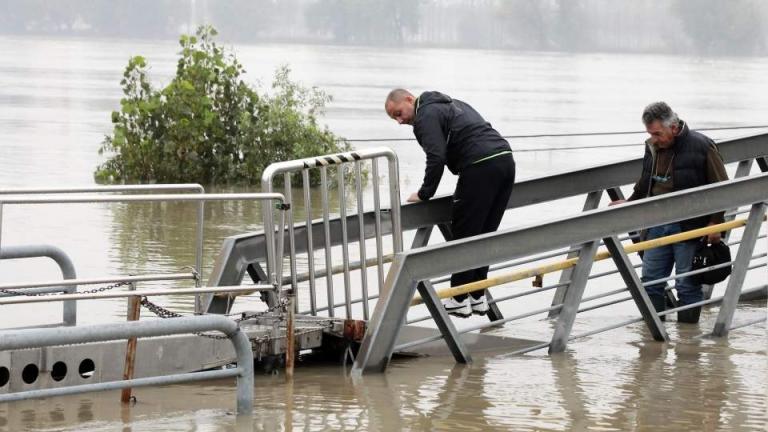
[690,316]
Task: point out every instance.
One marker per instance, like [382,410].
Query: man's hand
[714,237]
[414,197]
[612,203]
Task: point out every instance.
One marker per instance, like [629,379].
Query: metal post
[134,310]
[310,245]
[327,231]
[290,341]
[394,202]
[740,267]
[573,297]
[592,201]
[199,255]
[361,239]
[291,240]
[377,225]
[635,287]
[344,240]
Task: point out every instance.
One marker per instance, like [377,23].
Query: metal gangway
[335,237]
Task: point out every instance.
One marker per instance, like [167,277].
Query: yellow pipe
[571,262]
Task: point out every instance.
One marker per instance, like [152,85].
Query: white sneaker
[459,309]
[479,306]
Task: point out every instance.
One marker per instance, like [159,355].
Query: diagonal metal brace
[635,287]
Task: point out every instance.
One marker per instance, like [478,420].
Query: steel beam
[635,287]
[444,323]
[740,266]
[240,250]
[413,266]
[591,202]
[573,297]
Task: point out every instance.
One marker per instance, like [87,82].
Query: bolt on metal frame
[341,161]
[410,268]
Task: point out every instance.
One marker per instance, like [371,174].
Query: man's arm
[429,133]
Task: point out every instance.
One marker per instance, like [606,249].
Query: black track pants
[479,201]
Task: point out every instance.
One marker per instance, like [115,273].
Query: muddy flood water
[56,96]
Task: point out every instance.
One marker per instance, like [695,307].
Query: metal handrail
[151,198]
[425,263]
[39,338]
[221,290]
[562,265]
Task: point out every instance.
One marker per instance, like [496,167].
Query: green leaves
[208,125]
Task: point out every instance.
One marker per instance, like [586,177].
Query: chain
[91,291]
[166,313]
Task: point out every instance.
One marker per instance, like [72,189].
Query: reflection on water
[615,381]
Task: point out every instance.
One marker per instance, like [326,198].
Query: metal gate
[347,166]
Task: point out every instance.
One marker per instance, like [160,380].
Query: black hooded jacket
[451,133]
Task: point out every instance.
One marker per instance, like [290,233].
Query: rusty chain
[91,291]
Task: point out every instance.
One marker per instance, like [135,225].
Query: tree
[208,125]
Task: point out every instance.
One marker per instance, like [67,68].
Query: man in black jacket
[452,133]
[676,158]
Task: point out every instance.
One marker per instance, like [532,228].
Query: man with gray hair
[453,134]
[676,158]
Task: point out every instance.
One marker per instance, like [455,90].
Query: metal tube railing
[39,338]
[340,161]
[220,290]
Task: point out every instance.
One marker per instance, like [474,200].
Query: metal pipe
[571,262]
[93,281]
[110,188]
[377,224]
[158,292]
[290,342]
[361,239]
[394,201]
[134,311]
[310,245]
[291,241]
[344,240]
[38,338]
[199,254]
[65,264]
[327,231]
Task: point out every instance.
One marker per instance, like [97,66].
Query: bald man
[452,133]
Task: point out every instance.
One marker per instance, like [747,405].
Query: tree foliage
[208,125]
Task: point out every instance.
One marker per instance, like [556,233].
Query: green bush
[208,125]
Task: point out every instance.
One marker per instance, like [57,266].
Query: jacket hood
[431,97]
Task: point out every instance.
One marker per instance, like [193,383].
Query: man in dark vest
[452,133]
[676,158]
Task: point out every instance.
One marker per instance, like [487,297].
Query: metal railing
[343,162]
[38,338]
[69,308]
[244,253]
[412,270]
[267,197]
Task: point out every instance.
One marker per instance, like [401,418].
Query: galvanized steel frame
[241,251]
[69,308]
[340,160]
[37,338]
[411,267]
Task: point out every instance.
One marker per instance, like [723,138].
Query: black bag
[708,255]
